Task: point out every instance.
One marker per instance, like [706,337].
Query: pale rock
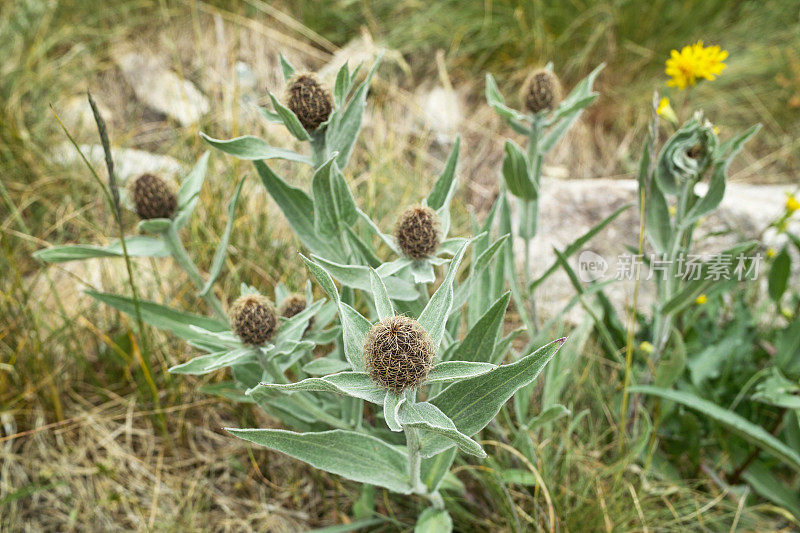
[161,89]
[128,162]
[77,116]
[570,208]
[441,112]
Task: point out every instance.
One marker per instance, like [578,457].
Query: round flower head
[153,197]
[541,91]
[418,231]
[253,319]
[308,98]
[293,304]
[398,353]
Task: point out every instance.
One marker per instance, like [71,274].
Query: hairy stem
[414,459]
[178,252]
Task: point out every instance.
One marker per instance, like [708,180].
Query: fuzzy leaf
[517,174]
[430,418]
[391,407]
[208,363]
[323,366]
[354,384]
[445,186]
[457,370]
[434,317]
[334,206]
[479,343]
[473,403]
[138,246]
[289,119]
[433,520]
[254,149]
[189,193]
[352,455]
[358,277]
[383,304]
[222,248]
[287,68]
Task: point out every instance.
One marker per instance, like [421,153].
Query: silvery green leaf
[254,149]
[334,206]
[389,241]
[226,389]
[137,246]
[677,164]
[434,317]
[354,384]
[430,418]
[325,365]
[269,115]
[287,68]
[477,270]
[516,172]
[551,414]
[391,408]
[189,193]
[433,520]
[570,109]
[362,248]
[281,292]
[383,305]
[210,362]
[357,277]
[222,248]
[434,469]
[479,343]
[297,207]
[289,119]
[496,101]
[345,123]
[473,403]
[393,267]
[292,329]
[456,370]
[154,225]
[342,85]
[445,186]
[292,353]
[501,348]
[422,272]
[451,246]
[160,316]
[349,454]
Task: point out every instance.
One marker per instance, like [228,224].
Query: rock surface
[570,208]
[162,89]
[128,162]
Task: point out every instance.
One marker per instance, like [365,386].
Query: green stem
[319,153]
[180,255]
[414,460]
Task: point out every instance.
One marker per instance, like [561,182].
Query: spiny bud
[541,91]
[309,100]
[293,304]
[418,231]
[253,319]
[398,353]
[153,197]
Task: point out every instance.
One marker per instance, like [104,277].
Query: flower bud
[292,305]
[418,232]
[309,100]
[153,197]
[398,353]
[253,319]
[541,91]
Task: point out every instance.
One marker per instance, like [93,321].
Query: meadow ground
[85,445]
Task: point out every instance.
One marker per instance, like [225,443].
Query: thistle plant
[546,118]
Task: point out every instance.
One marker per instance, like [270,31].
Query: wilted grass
[80,443]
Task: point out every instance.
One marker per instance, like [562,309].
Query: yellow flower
[693,63]
[672,210]
[771,252]
[700,300]
[665,110]
[792,204]
[646,347]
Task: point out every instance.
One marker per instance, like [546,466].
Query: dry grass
[83,445]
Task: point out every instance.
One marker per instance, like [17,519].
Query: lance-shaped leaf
[481,339]
[472,403]
[334,206]
[752,433]
[433,520]
[287,68]
[434,317]
[345,124]
[254,149]
[570,109]
[422,271]
[354,326]
[354,384]
[289,119]
[456,370]
[208,363]
[383,304]
[428,417]
[137,246]
[342,85]
[434,469]
[292,329]
[189,192]
[496,101]
[391,409]
[154,225]
[297,207]
[161,316]
[516,172]
[352,455]
[323,366]
[445,186]
[222,248]
[357,277]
